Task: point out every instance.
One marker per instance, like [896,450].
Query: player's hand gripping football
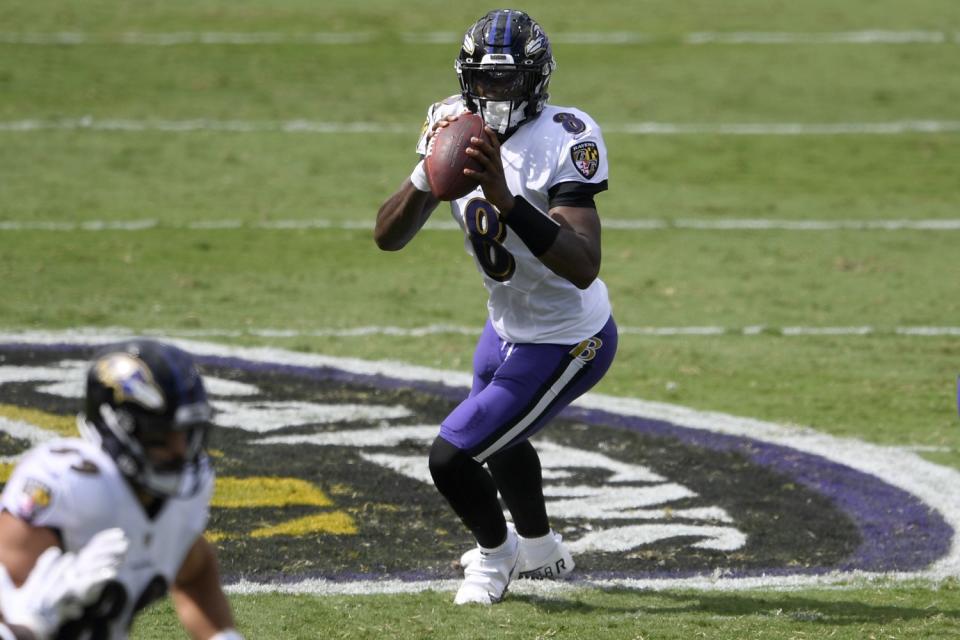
[486,150]
[439,124]
[61,584]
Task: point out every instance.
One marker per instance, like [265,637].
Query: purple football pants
[518,388]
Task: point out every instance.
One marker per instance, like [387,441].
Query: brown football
[447,157]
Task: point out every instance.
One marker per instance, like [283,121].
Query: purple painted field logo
[322,473]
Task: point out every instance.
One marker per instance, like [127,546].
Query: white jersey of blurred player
[76,489]
[527,302]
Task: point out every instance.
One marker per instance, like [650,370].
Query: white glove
[61,585]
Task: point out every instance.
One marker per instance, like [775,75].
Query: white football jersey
[528,302]
[75,488]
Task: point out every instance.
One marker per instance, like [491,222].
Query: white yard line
[301,126]
[760,224]
[175,38]
[898,127]
[567,588]
[814,38]
[650,224]
[928,331]
[605,38]
[199,124]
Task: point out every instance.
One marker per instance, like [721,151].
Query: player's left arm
[199,598]
[575,253]
[568,242]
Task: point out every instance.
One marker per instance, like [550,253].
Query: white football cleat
[545,558]
[540,558]
[485,580]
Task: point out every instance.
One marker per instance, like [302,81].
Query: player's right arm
[21,544]
[54,587]
[405,212]
[402,215]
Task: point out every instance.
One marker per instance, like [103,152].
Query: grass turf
[888,611]
[884,388]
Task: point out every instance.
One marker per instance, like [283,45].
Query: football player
[532,227]
[141,466]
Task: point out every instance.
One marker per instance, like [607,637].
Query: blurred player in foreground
[60,586]
[533,229]
[141,467]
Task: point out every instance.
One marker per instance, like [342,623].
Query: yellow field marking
[239,493]
[335,522]
[339,489]
[61,425]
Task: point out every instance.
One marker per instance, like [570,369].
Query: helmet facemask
[503,93]
[129,439]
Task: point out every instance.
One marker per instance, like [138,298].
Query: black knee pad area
[447,462]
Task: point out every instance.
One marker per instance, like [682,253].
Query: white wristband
[6,633]
[419,177]
[227,634]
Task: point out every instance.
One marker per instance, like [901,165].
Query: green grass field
[885,387]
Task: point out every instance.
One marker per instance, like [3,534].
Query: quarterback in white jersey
[527,301]
[532,227]
[141,467]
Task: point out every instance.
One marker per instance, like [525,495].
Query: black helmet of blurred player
[504,69]
[143,398]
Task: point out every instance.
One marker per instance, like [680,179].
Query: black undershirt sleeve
[575,194]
